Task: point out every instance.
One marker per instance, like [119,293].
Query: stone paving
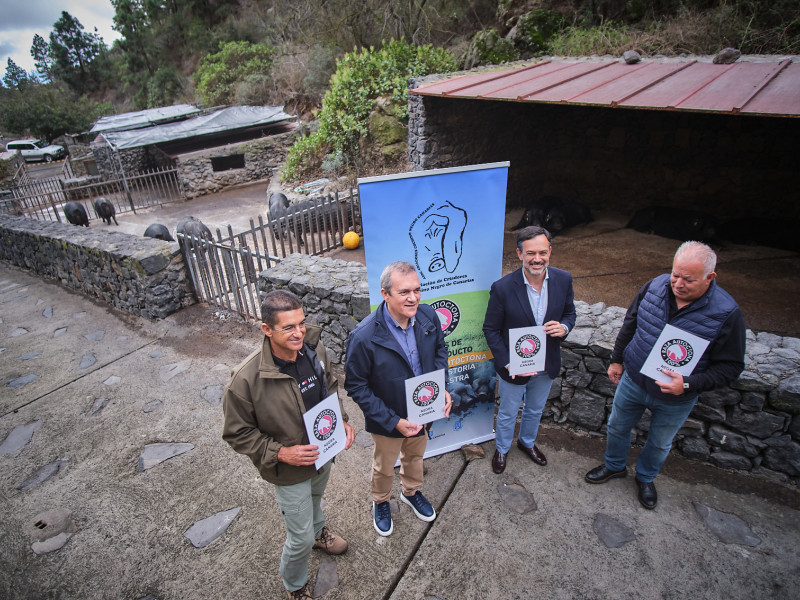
[116,484]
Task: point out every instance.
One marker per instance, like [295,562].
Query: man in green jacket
[263,407]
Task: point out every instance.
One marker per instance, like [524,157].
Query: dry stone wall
[753,425]
[140,275]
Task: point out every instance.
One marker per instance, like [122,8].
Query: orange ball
[351,240]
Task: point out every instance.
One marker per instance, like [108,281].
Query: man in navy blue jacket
[535,294]
[689,299]
[400,340]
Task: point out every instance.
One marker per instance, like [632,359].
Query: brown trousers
[384,458]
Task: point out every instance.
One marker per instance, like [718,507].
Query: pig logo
[677,353]
[425,394]
[527,346]
[324,425]
[449,315]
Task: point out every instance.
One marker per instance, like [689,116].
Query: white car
[36,150]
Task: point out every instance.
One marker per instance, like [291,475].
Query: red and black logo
[677,353]
[425,393]
[324,425]
[527,346]
[449,315]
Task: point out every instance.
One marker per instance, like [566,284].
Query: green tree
[15,76]
[76,54]
[219,74]
[43,61]
[48,110]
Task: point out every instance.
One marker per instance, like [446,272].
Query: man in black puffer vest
[689,299]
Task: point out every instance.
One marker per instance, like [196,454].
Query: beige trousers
[384,458]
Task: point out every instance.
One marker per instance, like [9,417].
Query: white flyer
[526,349]
[675,350]
[425,397]
[325,429]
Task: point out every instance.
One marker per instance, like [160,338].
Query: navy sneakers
[382,518]
[420,505]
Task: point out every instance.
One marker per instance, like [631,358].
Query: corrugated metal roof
[144,118]
[763,87]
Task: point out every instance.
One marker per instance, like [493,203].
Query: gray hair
[399,266]
[277,301]
[530,232]
[700,252]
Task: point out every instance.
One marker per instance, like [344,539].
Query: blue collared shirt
[538,300]
[406,339]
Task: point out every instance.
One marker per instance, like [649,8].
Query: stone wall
[752,425]
[262,159]
[615,158]
[140,275]
[335,294]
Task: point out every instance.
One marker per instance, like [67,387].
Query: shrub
[361,77]
[219,75]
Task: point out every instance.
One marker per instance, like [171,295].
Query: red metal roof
[760,87]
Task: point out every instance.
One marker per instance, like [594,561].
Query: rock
[87,360]
[19,437]
[587,409]
[203,532]
[727,460]
[151,406]
[611,532]
[727,56]
[730,441]
[517,498]
[167,372]
[42,474]
[760,424]
[155,454]
[730,529]
[631,57]
[212,394]
[472,451]
[95,336]
[783,454]
[98,406]
[22,381]
[788,397]
[327,577]
[51,544]
[694,447]
[49,524]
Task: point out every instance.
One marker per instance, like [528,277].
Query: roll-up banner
[448,223]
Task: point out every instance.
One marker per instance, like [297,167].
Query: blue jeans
[302,515]
[534,395]
[630,400]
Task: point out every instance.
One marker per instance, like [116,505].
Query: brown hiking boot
[330,543]
[301,594]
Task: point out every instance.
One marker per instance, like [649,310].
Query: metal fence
[225,271]
[43,199]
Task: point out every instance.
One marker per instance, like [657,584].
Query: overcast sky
[21,19]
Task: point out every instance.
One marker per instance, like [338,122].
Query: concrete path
[91,397]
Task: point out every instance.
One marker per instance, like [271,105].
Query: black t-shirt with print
[302,371]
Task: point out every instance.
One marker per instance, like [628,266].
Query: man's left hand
[351,435]
[554,329]
[448,404]
[674,387]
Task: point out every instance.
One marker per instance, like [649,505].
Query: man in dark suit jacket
[535,294]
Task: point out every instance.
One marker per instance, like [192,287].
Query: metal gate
[43,199]
[224,272]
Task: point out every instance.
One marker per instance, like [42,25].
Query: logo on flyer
[425,393]
[527,346]
[324,425]
[449,315]
[677,352]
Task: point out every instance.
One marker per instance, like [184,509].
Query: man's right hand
[615,372]
[299,456]
[407,428]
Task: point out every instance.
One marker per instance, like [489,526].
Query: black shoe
[498,462]
[602,474]
[648,497]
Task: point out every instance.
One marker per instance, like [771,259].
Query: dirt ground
[609,263]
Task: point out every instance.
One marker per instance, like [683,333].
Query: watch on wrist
[686,386]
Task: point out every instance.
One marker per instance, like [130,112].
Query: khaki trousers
[384,458]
